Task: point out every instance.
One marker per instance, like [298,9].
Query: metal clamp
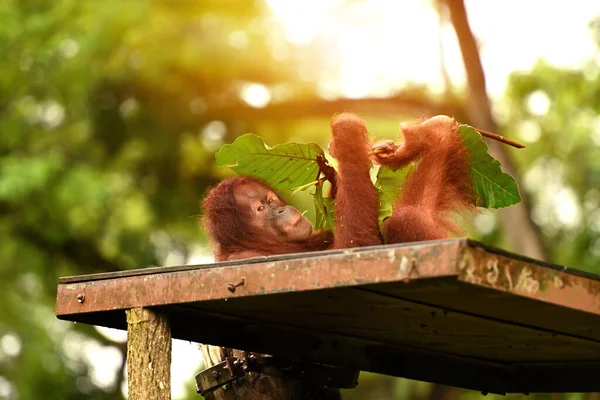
[232,369]
[218,376]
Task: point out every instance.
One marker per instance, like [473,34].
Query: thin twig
[500,138]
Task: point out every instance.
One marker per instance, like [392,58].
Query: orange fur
[438,188]
[356,200]
[231,233]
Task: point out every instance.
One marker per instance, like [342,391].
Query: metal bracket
[232,369]
[218,375]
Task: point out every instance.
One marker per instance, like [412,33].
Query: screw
[231,287]
[81,298]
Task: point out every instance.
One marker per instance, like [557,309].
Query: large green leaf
[325,210]
[389,185]
[493,188]
[283,167]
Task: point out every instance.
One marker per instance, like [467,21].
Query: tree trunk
[516,222]
[148,355]
[263,387]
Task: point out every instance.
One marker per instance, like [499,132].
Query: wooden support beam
[148,355]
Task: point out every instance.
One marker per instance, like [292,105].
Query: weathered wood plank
[346,268]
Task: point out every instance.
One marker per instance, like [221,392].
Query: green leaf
[284,167]
[493,188]
[389,185]
[325,209]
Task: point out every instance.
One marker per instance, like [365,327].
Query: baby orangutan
[246,218]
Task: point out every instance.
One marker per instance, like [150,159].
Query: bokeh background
[111,111]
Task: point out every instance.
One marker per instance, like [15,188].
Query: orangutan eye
[269,200]
[260,208]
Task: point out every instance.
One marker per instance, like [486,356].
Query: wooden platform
[453,312]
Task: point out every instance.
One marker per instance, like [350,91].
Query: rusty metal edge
[254,260]
[499,270]
[278,275]
[285,257]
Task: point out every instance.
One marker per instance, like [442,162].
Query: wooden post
[148,355]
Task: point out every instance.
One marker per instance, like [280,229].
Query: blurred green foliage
[557,112]
[110,113]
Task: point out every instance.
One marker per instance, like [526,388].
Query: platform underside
[451,312]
